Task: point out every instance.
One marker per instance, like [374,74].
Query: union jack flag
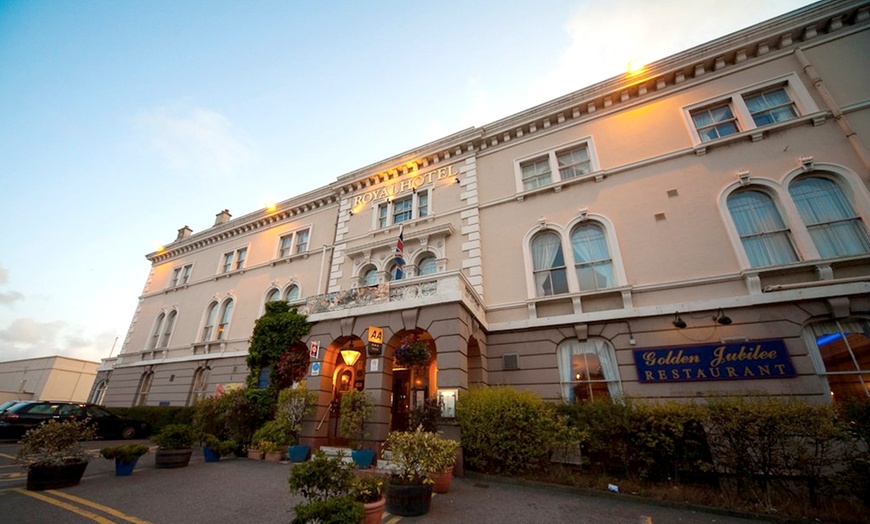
[399,255]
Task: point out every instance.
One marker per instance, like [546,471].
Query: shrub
[327,486]
[175,436]
[272,436]
[505,431]
[157,416]
[54,444]
[293,406]
[125,452]
[418,453]
[428,415]
[356,408]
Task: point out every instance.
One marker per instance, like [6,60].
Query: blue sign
[315,369]
[741,361]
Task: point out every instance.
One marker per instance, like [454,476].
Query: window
[168,326]
[273,296]
[536,173]
[370,276]
[99,392]
[239,255]
[778,101]
[427,265]
[296,242]
[403,209]
[591,257]
[557,165]
[144,388]
[549,265]
[587,370]
[831,220]
[199,385]
[762,232]
[394,273]
[573,162]
[226,315]
[181,275]
[292,293]
[210,318]
[715,122]
[770,106]
[155,334]
[840,350]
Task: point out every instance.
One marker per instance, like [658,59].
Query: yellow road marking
[4,455]
[393,520]
[64,505]
[105,509]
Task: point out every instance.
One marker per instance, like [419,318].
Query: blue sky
[121,122]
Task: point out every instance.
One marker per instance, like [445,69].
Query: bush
[175,436]
[125,452]
[54,444]
[327,485]
[339,510]
[157,416]
[293,406]
[428,415]
[505,431]
[273,436]
[356,408]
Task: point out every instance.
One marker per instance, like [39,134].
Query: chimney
[184,233]
[222,218]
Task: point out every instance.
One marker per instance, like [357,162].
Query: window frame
[551,156]
[811,336]
[785,232]
[233,261]
[293,244]
[604,351]
[180,275]
[386,212]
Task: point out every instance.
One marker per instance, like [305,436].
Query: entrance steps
[383,464]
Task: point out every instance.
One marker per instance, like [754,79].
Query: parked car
[6,405]
[23,416]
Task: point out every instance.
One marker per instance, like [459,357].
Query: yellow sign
[376,335]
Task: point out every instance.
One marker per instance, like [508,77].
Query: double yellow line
[55,499]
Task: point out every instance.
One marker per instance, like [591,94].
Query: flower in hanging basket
[413,352]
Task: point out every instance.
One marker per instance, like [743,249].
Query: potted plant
[52,455]
[356,408]
[174,443]
[294,404]
[125,456]
[412,352]
[369,489]
[272,439]
[416,454]
[442,458]
[214,448]
[326,484]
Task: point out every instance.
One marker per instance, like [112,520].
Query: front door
[401,399]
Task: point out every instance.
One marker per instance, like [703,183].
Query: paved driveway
[242,490]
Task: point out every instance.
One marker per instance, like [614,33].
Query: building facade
[696,228]
[47,378]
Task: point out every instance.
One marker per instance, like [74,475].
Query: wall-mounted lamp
[350,212]
[722,318]
[631,340]
[456,180]
[679,323]
[350,356]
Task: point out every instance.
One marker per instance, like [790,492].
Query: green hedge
[157,416]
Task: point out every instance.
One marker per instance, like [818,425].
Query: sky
[121,122]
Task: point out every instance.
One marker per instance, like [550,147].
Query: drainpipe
[819,85]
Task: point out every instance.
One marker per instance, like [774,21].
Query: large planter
[409,501]
[55,477]
[255,454]
[124,468]
[273,456]
[363,458]
[210,454]
[374,511]
[441,480]
[298,453]
[172,458]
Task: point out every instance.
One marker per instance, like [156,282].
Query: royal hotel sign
[742,361]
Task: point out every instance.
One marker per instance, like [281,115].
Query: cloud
[27,337]
[194,140]
[28,331]
[8,297]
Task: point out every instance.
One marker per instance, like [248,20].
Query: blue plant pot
[124,468]
[210,455]
[363,457]
[298,453]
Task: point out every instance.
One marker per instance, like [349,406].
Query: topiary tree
[276,344]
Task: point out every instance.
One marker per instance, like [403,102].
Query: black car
[23,416]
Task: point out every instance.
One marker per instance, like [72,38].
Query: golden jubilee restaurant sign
[741,361]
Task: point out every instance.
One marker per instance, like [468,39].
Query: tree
[277,344]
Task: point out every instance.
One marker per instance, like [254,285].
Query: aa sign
[376,335]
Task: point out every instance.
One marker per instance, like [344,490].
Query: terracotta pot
[442,480]
[274,456]
[374,511]
[255,454]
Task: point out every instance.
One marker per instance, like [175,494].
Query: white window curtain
[833,225]
[549,265]
[370,277]
[427,266]
[592,257]
[762,231]
[584,358]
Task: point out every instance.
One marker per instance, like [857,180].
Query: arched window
[763,233]
[168,326]
[144,388]
[840,350]
[549,265]
[210,318]
[273,295]
[292,293]
[394,273]
[587,370]
[370,276]
[831,220]
[591,257]
[226,315]
[427,265]
[155,335]
[199,385]
[99,392]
